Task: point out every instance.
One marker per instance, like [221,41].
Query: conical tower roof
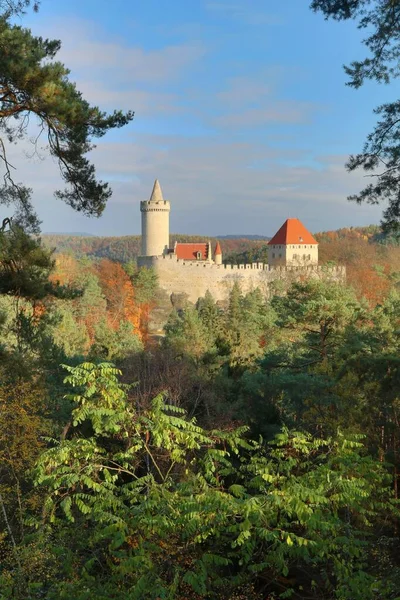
[217,249]
[156,194]
[292,232]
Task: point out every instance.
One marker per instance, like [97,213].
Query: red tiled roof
[189,251]
[217,249]
[292,232]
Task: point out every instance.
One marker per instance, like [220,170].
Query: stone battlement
[191,279]
[147,205]
[258,266]
[194,278]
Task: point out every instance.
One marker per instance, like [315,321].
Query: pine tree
[34,84]
[210,315]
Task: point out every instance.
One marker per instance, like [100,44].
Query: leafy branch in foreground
[150,505]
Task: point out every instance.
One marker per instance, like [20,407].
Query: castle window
[198,255]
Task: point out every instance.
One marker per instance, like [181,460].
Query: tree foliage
[135,499]
[240,511]
[12,7]
[25,265]
[33,85]
[380,155]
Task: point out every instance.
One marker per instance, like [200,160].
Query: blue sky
[241,112]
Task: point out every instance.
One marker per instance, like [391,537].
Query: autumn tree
[370,267]
[119,293]
[66,270]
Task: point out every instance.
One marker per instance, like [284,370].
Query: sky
[241,112]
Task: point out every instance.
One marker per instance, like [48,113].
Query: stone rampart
[194,278]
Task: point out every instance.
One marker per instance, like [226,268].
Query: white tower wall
[155,223]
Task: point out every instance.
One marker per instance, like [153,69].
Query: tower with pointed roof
[155,223]
[218,254]
[292,246]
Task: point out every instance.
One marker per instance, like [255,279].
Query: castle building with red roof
[193,251]
[292,245]
[155,233]
[189,270]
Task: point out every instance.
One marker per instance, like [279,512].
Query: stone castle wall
[193,279]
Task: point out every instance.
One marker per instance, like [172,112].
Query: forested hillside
[127,248]
[234,248]
[252,453]
[372,257]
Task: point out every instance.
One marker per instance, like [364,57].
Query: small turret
[218,254]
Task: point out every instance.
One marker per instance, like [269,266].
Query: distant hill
[235,248]
[72,233]
[370,233]
[127,248]
[244,237]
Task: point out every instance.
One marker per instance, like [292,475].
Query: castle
[190,269]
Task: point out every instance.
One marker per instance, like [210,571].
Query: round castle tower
[155,223]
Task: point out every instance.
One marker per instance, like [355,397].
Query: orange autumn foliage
[119,293]
[369,266]
[116,287]
[66,270]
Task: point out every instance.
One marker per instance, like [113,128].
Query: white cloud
[245,12]
[274,112]
[143,102]
[254,101]
[241,91]
[216,183]
[89,49]
[216,186]
[112,73]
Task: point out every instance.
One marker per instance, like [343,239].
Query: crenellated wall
[195,278]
